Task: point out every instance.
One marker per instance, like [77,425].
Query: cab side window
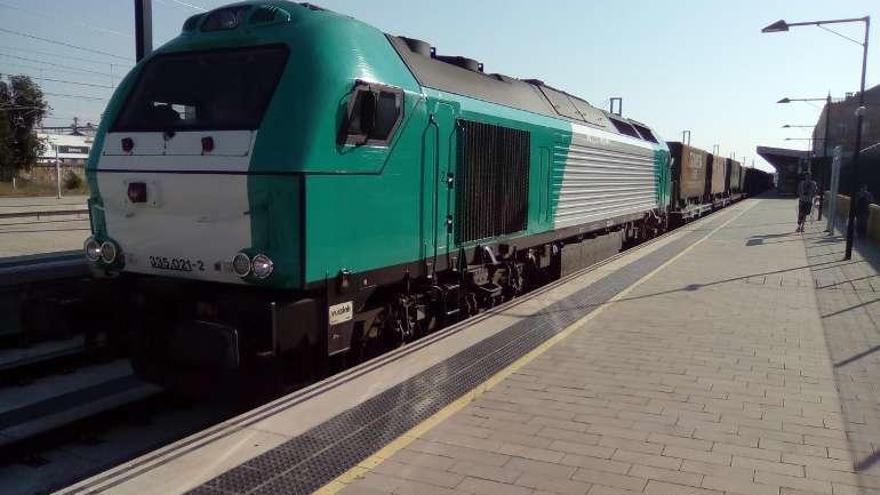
[373,115]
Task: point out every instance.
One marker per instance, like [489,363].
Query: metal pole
[834,187]
[57,171]
[825,151]
[143,28]
[850,228]
[827,125]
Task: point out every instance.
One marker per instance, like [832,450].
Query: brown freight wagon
[717,176]
[688,173]
[734,176]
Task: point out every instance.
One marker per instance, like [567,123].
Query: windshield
[212,90]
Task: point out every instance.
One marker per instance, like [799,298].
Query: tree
[5,132]
[22,108]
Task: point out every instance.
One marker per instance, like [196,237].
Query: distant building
[789,165]
[70,145]
[843,125]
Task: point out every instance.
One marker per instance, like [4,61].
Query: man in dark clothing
[864,198]
[806,191]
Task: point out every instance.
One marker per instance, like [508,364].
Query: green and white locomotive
[281,184]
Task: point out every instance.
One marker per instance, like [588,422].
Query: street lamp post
[781,26]
[827,101]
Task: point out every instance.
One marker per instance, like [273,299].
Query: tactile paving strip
[313,459]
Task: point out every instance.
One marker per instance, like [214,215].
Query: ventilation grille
[493,181]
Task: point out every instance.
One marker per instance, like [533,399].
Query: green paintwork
[318,207]
[663,177]
[95,202]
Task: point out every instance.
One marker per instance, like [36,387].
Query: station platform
[731,356]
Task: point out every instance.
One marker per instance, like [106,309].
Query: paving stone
[766,478]
[419,473]
[486,472]
[668,475]
[606,478]
[486,487]
[662,488]
[542,468]
[654,460]
[554,485]
[739,486]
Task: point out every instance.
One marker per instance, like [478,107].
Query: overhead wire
[60,66]
[86,25]
[41,69]
[84,97]
[188,5]
[66,57]
[75,83]
[63,43]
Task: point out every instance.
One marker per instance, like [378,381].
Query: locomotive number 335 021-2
[176,264]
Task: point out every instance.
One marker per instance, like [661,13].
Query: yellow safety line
[415,432]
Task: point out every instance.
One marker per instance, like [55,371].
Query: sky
[695,65]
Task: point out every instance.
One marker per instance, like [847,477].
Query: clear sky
[683,64]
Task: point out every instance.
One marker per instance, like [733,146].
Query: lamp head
[784,100]
[777,27]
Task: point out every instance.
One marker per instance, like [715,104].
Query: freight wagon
[689,179]
[717,180]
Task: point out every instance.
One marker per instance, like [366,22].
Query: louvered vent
[493,181]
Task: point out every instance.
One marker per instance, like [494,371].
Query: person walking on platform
[806,190]
[864,198]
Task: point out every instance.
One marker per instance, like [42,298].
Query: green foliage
[71,180]
[22,108]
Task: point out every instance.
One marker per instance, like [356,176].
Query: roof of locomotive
[532,95]
[437,72]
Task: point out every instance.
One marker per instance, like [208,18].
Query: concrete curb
[45,213]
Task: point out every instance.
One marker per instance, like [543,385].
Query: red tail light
[137,192]
[127,144]
[207,144]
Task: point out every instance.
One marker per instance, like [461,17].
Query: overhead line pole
[143,28]
[860,113]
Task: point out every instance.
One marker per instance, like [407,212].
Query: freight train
[281,184]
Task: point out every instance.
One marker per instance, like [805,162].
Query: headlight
[262,266]
[92,248]
[108,252]
[241,265]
